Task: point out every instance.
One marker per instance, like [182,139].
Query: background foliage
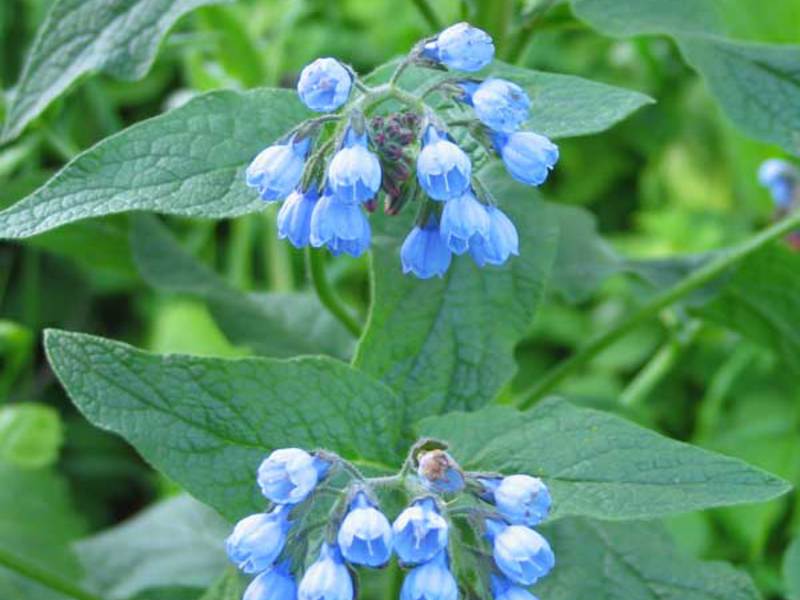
[644,297]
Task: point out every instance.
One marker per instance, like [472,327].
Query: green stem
[276,256]
[427,12]
[45,578]
[524,35]
[650,309]
[326,293]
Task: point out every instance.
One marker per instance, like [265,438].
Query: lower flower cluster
[433,537]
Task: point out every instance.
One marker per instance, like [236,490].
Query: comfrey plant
[782,179]
[331,169]
[455,522]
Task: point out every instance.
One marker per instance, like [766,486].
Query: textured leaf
[30,435]
[634,561]
[177,542]
[757,85]
[761,300]
[120,37]
[207,423]
[189,161]
[448,344]
[273,324]
[600,465]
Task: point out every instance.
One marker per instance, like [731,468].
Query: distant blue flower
[781,179]
[277,170]
[501,242]
[464,219]
[324,85]
[294,217]
[520,499]
[503,589]
[528,156]
[440,473]
[443,169]
[499,104]
[461,47]
[341,226]
[420,532]
[327,579]
[354,174]
[275,584]
[424,252]
[430,581]
[257,540]
[288,475]
[365,536]
[520,553]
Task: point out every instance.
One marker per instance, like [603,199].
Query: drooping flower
[443,169]
[501,242]
[464,219]
[324,85]
[294,217]
[354,174]
[288,475]
[520,553]
[520,499]
[420,532]
[499,104]
[781,179]
[257,540]
[275,584]
[340,226]
[365,536]
[528,156]
[327,579]
[430,581]
[440,473]
[461,47]
[424,252]
[277,170]
[503,589]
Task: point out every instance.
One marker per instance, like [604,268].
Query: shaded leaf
[30,435]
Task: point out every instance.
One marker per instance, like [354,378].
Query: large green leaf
[189,161]
[634,561]
[177,542]
[762,301]
[757,85]
[206,422]
[600,465]
[448,344]
[272,324]
[82,36]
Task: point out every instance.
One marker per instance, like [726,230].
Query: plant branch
[326,293]
[43,577]
[695,280]
[427,12]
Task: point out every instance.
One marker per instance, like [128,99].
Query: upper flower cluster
[360,151]
[500,511]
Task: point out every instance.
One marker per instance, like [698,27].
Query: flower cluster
[782,179]
[331,169]
[427,537]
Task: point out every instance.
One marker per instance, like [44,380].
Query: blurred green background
[676,178]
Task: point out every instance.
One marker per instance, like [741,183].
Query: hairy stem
[695,280]
[43,577]
[427,12]
[326,293]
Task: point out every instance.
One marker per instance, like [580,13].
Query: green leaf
[791,570]
[448,344]
[757,85]
[189,161]
[77,37]
[177,542]
[599,465]
[634,561]
[30,435]
[272,324]
[761,300]
[228,587]
[206,423]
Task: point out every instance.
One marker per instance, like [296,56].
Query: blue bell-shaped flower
[440,473]
[324,85]
[257,540]
[461,47]
[501,242]
[294,217]
[274,584]
[277,170]
[781,179]
[327,579]
[430,581]
[464,220]
[420,532]
[503,589]
[520,553]
[528,156]
[520,499]
[499,104]
[424,252]
[341,226]
[443,169]
[288,475]
[354,174]
[365,536]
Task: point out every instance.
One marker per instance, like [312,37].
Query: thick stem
[326,293]
[650,309]
[427,12]
[45,578]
